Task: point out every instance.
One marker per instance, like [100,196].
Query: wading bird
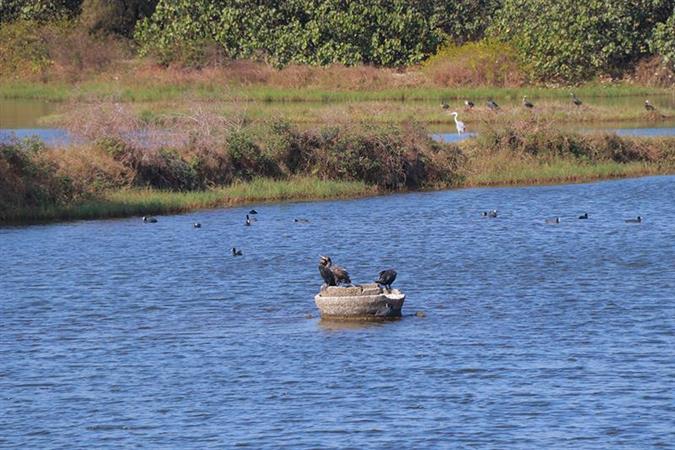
[468,104]
[492,105]
[149,219]
[575,99]
[387,277]
[649,106]
[638,219]
[445,105]
[236,252]
[458,123]
[527,103]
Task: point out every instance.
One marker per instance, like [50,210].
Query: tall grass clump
[537,151]
[483,63]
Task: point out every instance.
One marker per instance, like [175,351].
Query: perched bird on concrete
[387,277]
[341,275]
[326,273]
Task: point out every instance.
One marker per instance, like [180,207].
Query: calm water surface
[119,334]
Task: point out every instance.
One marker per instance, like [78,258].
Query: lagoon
[116,333]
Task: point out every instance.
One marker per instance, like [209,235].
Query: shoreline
[138,202]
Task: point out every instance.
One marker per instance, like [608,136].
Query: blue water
[119,334]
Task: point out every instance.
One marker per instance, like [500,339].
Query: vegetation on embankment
[137,168]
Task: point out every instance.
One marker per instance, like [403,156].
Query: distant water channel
[119,334]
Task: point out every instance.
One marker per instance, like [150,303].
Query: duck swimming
[491,214]
[638,219]
[236,252]
[149,219]
[300,220]
[196,225]
[584,216]
[253,211]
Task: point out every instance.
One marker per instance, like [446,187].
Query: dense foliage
[559,40]
[663,41]
[38,10]
[572,40]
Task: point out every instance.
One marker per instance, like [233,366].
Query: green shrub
[382,32]
[663,40]
[570,41]
[27,178]
[115,16]
[38,10]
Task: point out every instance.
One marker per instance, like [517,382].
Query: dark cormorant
[236,252]
[584,216]
[638,219]
[340,273]
[649,106]
[492,105]
[575,99]
[387,277]
[469,104]
[326,273]
[149,219]
[527,103]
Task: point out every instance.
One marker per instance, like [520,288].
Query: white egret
[458,123]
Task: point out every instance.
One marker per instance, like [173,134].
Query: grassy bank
[222,90]
[211,163]
[139,202]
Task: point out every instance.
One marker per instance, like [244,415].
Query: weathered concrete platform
[359,302]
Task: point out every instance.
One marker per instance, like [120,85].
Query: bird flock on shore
[494,107]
